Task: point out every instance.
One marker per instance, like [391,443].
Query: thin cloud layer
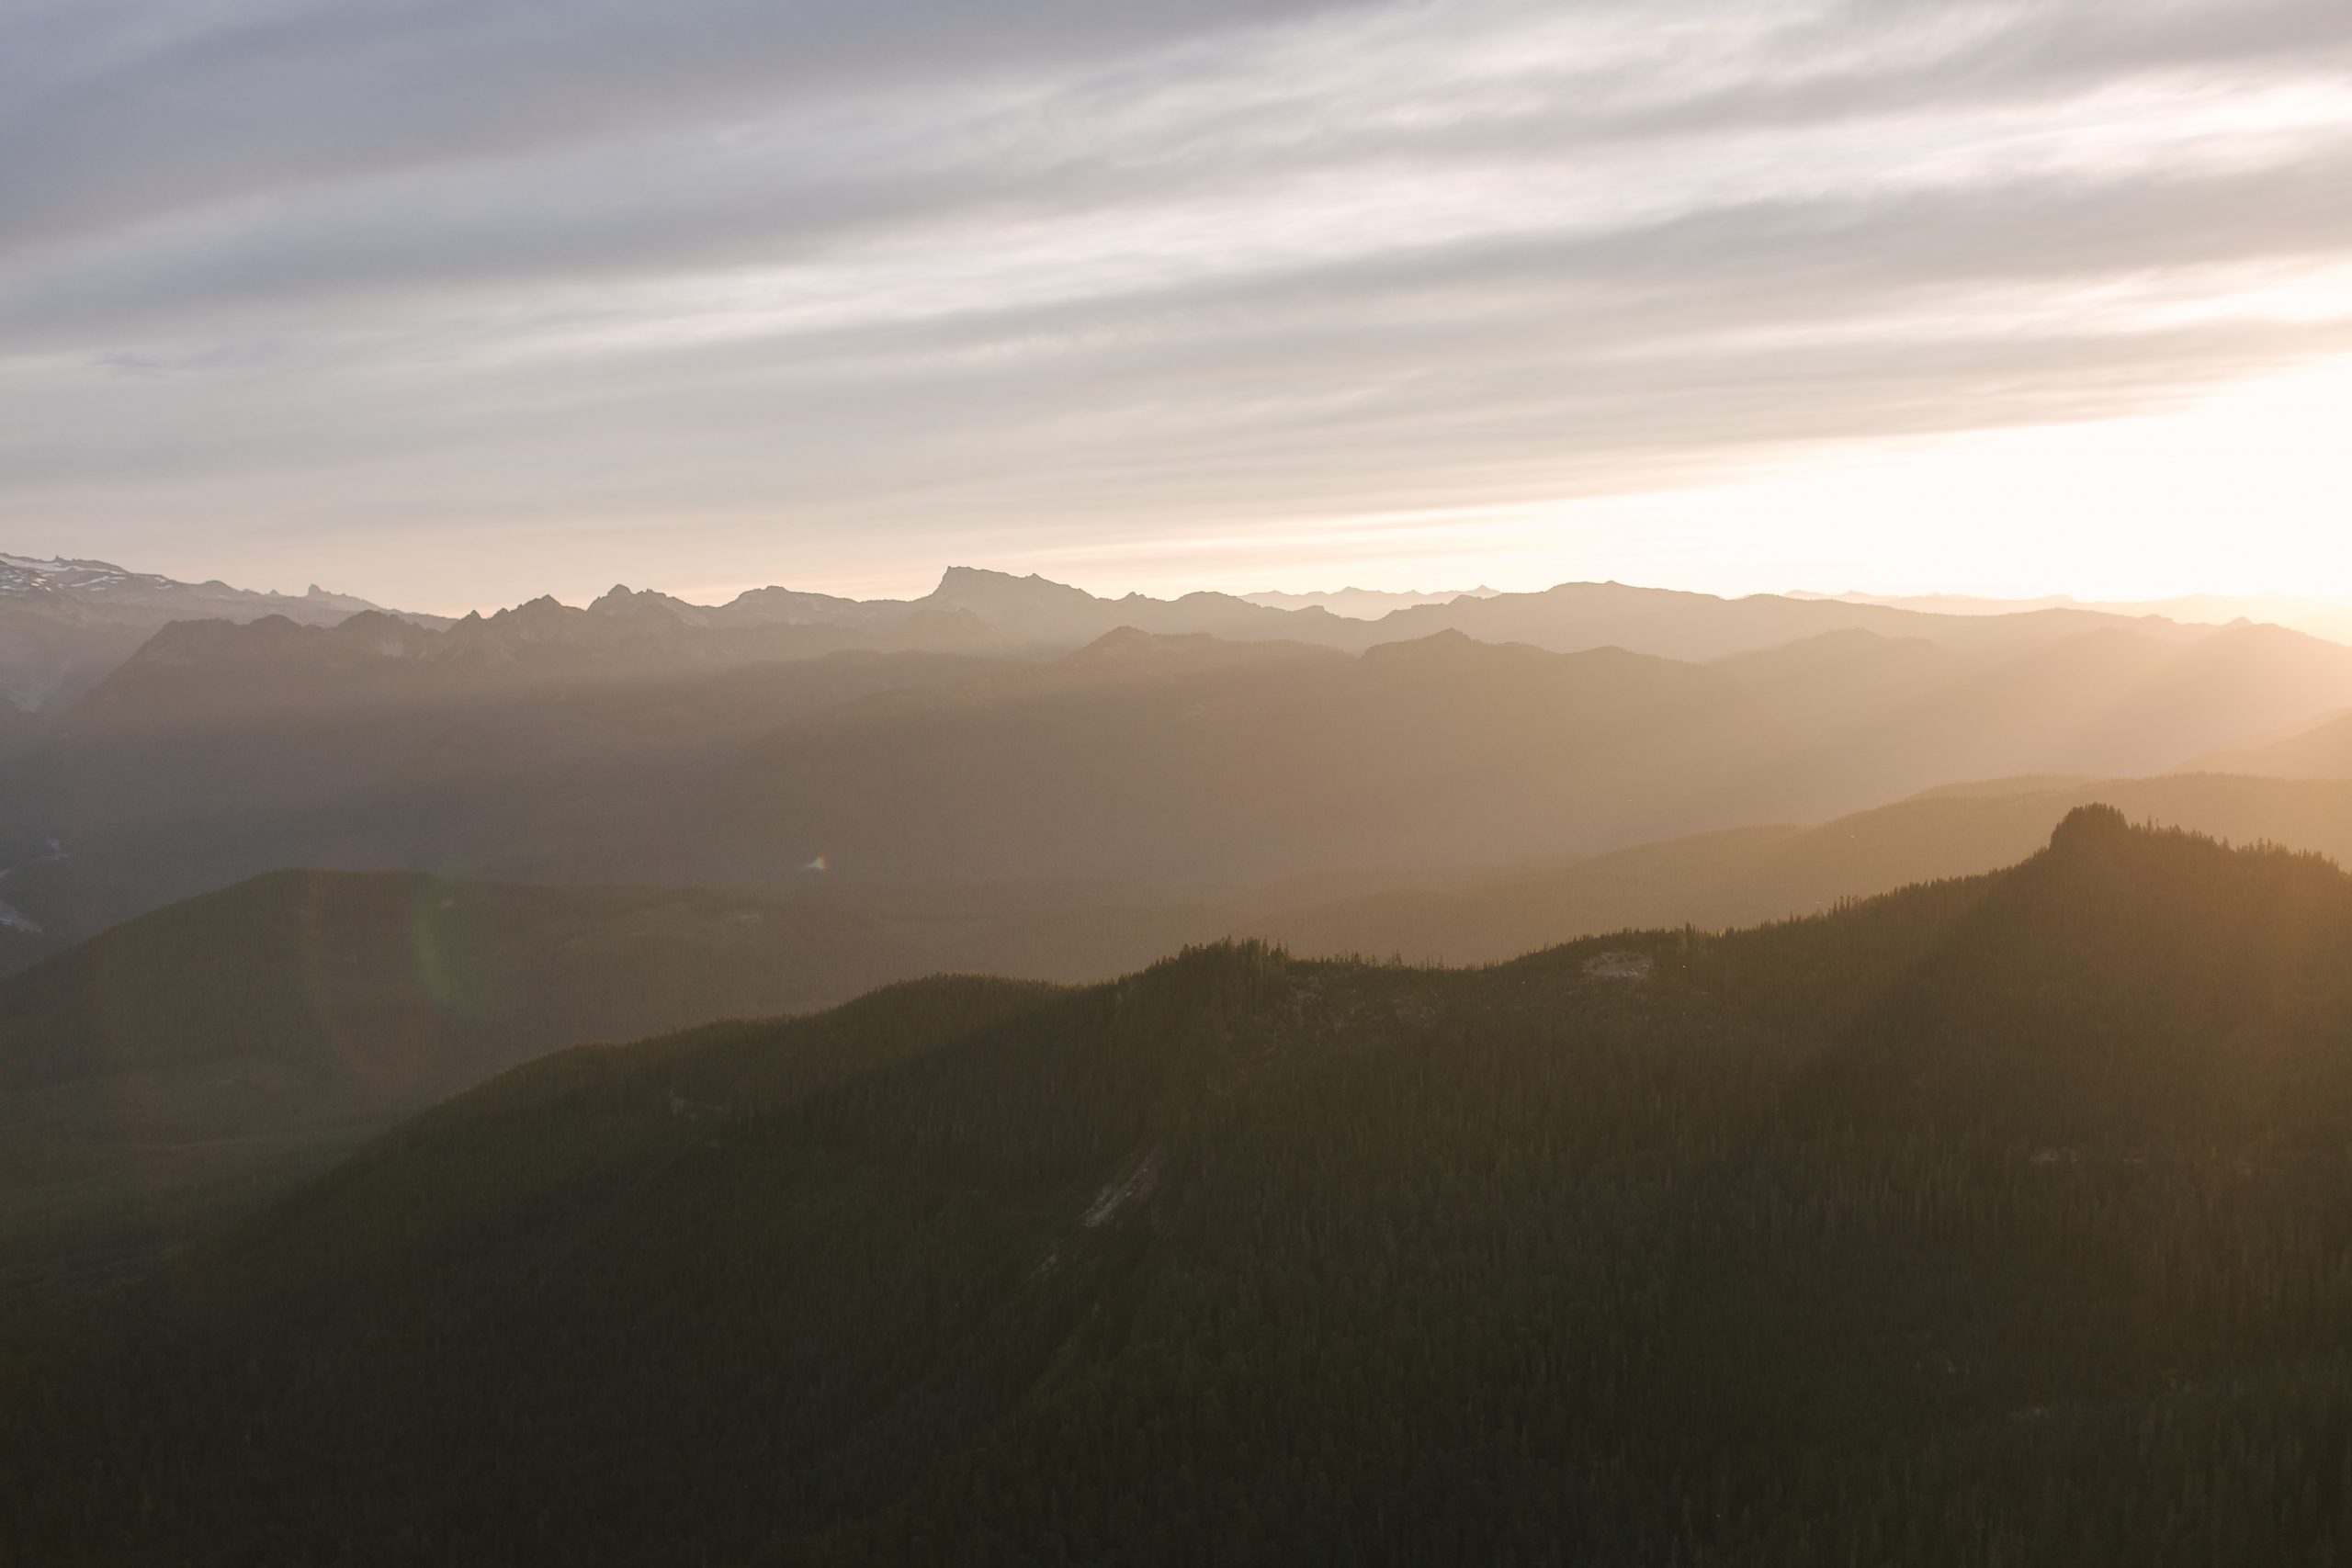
[733,290]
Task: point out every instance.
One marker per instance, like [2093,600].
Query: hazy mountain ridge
[1572,617]
[65,624]
[1363,603]
[1033,612]
[2330,618]
[1659,1231]
[2321,751]
[623,744]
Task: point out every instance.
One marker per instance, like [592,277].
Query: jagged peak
[622,600]
[958,578]
[545,607]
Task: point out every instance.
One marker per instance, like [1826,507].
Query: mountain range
[63,624]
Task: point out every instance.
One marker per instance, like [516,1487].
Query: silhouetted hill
[1830,1241]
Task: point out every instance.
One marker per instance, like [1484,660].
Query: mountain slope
[1647,1250]
[2321,750]
[173,1071]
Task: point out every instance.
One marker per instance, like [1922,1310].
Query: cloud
[153,106]
[1055,266]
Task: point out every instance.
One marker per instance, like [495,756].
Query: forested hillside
[1994,1220]
[195,1060]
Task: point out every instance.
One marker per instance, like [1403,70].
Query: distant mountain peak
[644,603]
[959,580]
[958,576]
[1447,646]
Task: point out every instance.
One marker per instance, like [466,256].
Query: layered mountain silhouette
[63,624]
[630,743]
[1827,1241]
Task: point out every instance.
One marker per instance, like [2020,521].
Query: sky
[453,302]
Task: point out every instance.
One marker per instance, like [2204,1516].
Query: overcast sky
[452,302]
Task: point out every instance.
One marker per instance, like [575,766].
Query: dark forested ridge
[2002,1219]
